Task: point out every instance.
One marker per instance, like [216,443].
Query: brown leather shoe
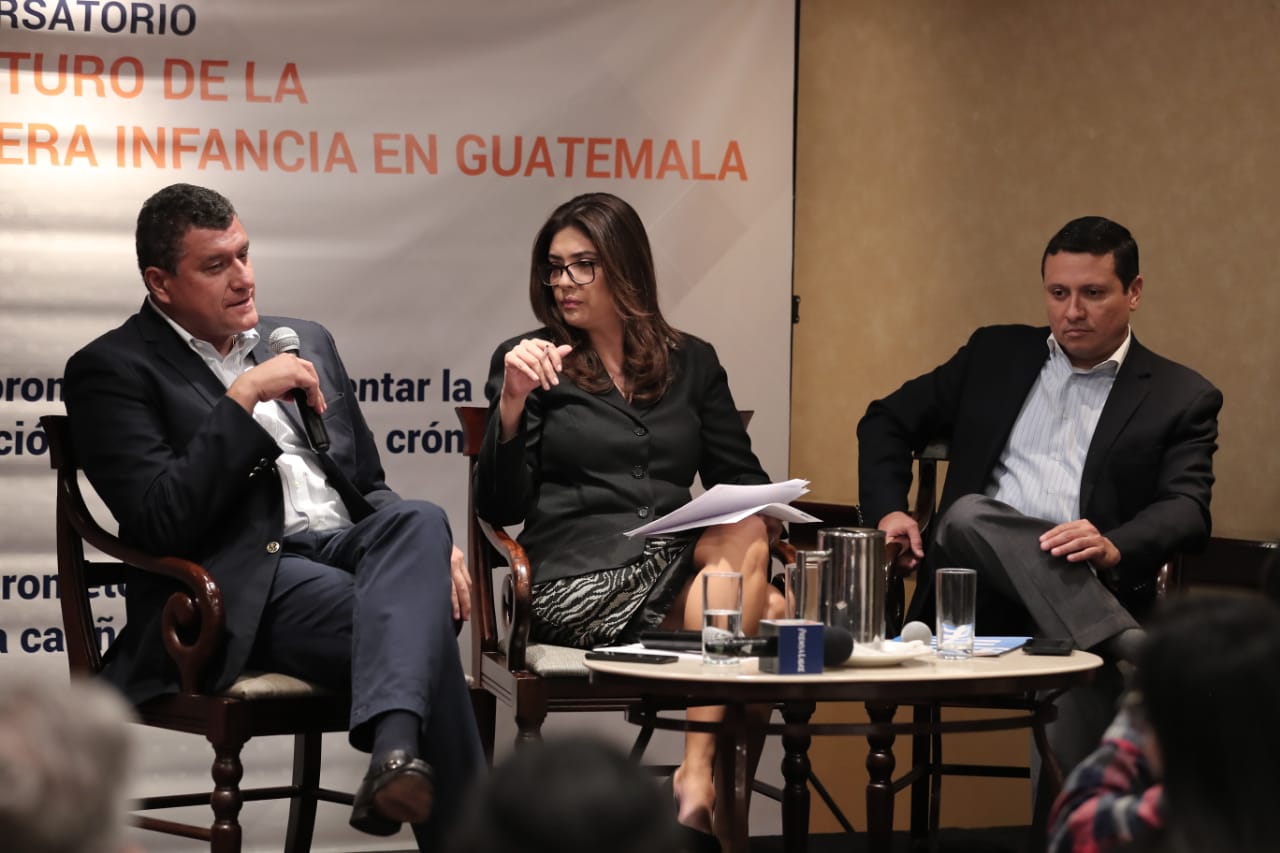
[400,791]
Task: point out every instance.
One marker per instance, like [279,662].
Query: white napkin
[890,647]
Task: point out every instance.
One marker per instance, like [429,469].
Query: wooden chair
[534,679]
[256,705]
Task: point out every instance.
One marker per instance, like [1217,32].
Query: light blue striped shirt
[1040,469]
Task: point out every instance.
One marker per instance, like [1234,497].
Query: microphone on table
[285,340]
[837,644]
[917,631]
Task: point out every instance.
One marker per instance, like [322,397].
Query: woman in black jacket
[598,422]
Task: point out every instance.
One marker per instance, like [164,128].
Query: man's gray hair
[65,765]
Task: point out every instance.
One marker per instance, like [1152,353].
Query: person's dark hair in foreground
[569,795]
[1209,679]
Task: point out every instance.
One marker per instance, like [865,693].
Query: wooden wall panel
[940,145]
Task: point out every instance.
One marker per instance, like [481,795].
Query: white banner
[391,163]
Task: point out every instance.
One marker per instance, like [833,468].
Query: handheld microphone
[837,646]
[285,340]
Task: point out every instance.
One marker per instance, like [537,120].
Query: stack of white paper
[725,504]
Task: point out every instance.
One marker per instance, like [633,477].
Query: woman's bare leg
[739,547]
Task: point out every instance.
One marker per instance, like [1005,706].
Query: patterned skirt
[614,605]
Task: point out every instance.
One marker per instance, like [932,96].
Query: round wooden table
[1013,680]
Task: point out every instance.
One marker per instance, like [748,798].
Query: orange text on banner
[598,157]
[83,75]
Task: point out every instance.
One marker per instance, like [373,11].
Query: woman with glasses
[598,422]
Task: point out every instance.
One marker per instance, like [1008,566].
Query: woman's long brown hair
[620,241]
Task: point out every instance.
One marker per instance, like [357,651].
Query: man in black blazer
[1079,461]
[183,422]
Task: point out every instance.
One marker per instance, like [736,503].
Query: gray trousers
[1018,583]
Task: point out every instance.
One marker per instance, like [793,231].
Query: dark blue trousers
[368,609]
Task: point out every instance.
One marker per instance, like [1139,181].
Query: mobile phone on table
[630,657]
[1046,646]
[672,641]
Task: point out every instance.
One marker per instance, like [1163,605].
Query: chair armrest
[193,620]
[520,614]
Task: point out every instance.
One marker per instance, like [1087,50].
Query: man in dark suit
[1079,462]
[184,425]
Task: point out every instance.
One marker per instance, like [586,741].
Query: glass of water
[956,591]
[721,617]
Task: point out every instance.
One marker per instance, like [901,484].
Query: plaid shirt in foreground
[1111,798]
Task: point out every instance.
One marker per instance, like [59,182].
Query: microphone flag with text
[285,340]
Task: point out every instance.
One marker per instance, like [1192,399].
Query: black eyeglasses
[578,272]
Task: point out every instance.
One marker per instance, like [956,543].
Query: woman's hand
[532,363]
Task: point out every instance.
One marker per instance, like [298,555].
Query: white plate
[891,653]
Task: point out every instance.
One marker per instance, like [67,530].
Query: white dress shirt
[310,503]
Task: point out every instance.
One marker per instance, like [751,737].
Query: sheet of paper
[726,503]
[990,647]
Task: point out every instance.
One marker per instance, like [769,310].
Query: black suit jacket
[187,472]
[586,467]
[1148,474]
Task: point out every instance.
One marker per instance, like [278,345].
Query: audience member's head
[64,767]
[169,214]
[569,795]
[1209,683]
[1097,235]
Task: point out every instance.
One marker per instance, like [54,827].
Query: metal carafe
[856,583]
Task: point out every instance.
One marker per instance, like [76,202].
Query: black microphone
[837,646]
[285,340]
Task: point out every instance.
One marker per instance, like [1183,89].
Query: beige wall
[940,145]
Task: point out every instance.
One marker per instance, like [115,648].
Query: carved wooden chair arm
[517,599]
[194,621]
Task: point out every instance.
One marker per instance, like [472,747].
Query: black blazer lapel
[1001,378]
[1133,383]
[175,352]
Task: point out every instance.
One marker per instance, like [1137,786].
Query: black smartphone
[631,657]
[672,641]
[1045,646]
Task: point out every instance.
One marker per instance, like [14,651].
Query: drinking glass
[721,617]
[957,591]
